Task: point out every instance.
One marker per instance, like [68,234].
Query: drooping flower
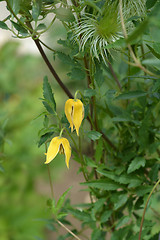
[74,111]
[58,145]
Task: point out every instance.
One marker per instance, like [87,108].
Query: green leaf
[106,215]
[96,234]
[46,121]
[99,78]
[76,74]
[94,135]
[47,93]
[62,198]
[89,93]
[64,14]
[108,174]
[3,25]
[66,59]
[19,28]
[142,190]
[103,184]
[97,205]
[152,62]
[138,32]
[122,199]
[130,95]
[136,164]
[44,138]
[156,46]
[124,220]
[41,26]
[15,5]
[61,215]
[153,51]
[89,162]
[81,215]
[36,9]
[150,3]
[153,174]
[99,150]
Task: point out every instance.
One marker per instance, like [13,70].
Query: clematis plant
[74,111]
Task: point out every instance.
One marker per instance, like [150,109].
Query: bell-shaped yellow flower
[74,111]
[58,145]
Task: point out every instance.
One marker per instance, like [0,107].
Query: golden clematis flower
[74,111]
[58,145]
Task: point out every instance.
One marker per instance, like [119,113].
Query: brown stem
[114,75]
[65,89]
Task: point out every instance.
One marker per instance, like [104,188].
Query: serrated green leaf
[89,93]
[62,198]
[106,215]
[124,220]
[94,135]
[44,138]
[66,59]
[130,95]
[136,164]
[135,183]
[49,106]
[89,162]
[76,74]
[122,199]
[96,234]
[142,190]
[48,94]
[97,205]
[3,25]
[108,174]
[103,184]
[64,14]
[81,215]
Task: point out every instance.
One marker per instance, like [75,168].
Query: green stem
[144,211]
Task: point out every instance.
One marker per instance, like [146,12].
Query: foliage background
[22,162]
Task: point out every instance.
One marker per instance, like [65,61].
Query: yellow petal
[67,150]
[69,112]
[53,149]
[78,114]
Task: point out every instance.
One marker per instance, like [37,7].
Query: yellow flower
[74,111]
[61,145]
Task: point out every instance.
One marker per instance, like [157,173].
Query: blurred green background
[22,204]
